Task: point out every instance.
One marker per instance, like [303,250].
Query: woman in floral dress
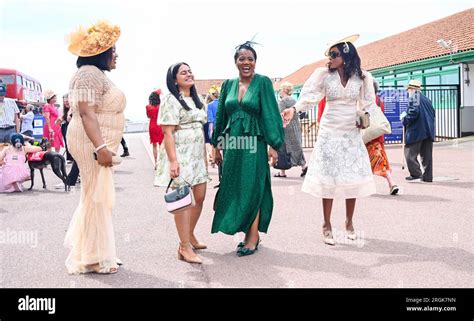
[182,156]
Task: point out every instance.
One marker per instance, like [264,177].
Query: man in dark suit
[419,122]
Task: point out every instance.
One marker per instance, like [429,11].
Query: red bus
[21,87]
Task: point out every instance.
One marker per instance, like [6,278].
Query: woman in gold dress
[93,136]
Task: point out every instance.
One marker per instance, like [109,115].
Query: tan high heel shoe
[198,245]
[185,257]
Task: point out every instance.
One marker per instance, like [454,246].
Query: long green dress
[244,130]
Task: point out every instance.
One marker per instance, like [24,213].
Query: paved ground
[421,238]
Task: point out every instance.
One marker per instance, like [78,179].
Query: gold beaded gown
[90,236]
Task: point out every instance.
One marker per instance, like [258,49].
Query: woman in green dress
[247,121]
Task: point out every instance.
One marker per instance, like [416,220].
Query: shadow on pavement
[263,268]
[404,252]
[468,185]
[412,198]
[128,279]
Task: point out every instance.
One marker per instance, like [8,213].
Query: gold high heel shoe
[184,257]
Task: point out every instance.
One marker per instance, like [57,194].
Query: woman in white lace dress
[339,166]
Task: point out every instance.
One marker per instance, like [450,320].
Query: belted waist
[249,123]
[8,127]
[189,126]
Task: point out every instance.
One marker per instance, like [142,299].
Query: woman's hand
[104,157]
[174,169]
[216,156]
[272,156]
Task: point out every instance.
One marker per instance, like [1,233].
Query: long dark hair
[174,90]
[351,60]
[154,99]
[101,61]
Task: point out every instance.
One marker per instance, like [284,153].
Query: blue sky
[202,33]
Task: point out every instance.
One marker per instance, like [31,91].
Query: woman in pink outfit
[52,130]
[14,172]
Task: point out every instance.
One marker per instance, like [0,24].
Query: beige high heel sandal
[198,245]
[184,257]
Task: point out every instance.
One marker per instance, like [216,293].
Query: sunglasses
[334,55]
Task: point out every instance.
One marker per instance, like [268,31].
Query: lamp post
[448,45]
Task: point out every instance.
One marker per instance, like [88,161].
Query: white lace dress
[339,165]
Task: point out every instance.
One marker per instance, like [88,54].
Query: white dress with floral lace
[189,142]
[339,165]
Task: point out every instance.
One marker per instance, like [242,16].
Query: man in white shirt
[27,118]
[9,120]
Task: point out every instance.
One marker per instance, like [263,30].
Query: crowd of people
[188,133]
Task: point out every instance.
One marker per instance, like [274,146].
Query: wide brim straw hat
[92,41]
[350,39]
[414,84]
[48,94]
[214,89]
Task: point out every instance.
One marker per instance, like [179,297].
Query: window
[432,70]
[432,80]
[450,67]
[403,82]
[18,80]
[450,79]
[7,79]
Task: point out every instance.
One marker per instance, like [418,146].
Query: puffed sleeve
[88,87]
[169,111]
[313,90]
[270,116]
[221,116]
[367,92]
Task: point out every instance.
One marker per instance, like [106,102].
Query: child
[14,172]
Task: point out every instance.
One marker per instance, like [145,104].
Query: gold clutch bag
[363,119]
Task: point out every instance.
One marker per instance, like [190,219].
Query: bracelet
[100,147]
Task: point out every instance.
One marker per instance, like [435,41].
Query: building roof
[203,85]
[416,44]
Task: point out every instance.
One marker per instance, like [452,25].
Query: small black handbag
[284,159]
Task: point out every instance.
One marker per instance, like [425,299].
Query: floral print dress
[339,165]
[189,142]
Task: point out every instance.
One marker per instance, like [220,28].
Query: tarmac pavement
[421,238]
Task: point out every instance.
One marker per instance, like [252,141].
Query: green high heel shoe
[240,245]
[243,251]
